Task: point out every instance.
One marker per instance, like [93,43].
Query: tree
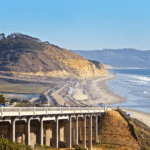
[2,99]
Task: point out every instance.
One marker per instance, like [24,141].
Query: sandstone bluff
[25,55]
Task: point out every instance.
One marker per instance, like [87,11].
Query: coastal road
[65,98]
[50,101]
[71,101]
[58,98]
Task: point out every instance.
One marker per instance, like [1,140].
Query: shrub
[2,98]
[5,144]
[77,147]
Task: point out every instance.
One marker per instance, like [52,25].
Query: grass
[44,147]
[25,104]
[22,88]
[105,146]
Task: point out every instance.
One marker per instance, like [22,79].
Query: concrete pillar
[55,132]
[70,132]
[61,134]
[23,139]
[28,130]
[41,130]
[66,133]
[84,132]
[73,136]
[50,137]
[13,129]
[96,129]
[57,124]
[77,130]
[90,133]
[47,137]
[79,133]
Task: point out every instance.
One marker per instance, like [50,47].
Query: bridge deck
[29,111]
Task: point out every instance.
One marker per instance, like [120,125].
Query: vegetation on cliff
[25,54]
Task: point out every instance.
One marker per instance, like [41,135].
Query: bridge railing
[28,111]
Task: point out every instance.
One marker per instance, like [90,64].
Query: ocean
[134,85]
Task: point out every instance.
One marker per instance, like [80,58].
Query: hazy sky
[80,24]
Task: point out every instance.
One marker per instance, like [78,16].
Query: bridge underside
[60,133]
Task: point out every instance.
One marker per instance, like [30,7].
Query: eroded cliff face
[57,63]
[84,68]
[30,56]
[76,68]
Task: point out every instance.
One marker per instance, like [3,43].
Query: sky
[80,24]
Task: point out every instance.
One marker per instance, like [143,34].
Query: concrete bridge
[61,127]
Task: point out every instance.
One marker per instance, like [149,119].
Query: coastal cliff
[24,55]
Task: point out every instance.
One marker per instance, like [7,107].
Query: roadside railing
[28,111]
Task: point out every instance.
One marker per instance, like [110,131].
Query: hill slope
[27,55]
[115,133]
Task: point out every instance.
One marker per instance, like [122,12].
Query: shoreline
[98,88]
[140,115]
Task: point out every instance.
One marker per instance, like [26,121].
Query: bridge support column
[55,131]
[90,134]
[28,131]
[84,132]
[41,130]
[70,132]
[47,142]
[57,125]
[96,129]
[77,139]
[13,121]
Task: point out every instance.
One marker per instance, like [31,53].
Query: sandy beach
[142,116]
[97,92]
[98,88]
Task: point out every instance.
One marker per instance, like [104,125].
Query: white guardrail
[29,111]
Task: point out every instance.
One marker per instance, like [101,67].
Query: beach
[142,116]
[96,91]
[98,88]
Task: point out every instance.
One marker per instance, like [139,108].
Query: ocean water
[134,85]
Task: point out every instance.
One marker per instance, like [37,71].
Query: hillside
[118,131]
[115,132]
[27,55]
[122,58]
